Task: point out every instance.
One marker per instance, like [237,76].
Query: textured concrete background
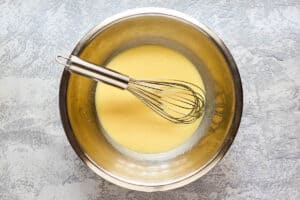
[36,161]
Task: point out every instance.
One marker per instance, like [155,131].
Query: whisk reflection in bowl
[177,101]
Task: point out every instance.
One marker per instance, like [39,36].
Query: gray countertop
[36,160]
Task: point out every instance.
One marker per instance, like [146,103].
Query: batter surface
[128,121]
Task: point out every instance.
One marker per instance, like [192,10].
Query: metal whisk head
[177,101]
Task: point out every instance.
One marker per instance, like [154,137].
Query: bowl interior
[215,133]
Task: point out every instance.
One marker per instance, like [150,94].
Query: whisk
[177,101]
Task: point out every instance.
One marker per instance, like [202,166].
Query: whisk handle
[98,73]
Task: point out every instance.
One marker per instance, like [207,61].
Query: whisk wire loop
[177,101]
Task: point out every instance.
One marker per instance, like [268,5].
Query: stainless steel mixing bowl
[216,131]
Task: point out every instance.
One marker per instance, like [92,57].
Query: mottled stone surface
[36,160]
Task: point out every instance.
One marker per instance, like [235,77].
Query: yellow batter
[127,120]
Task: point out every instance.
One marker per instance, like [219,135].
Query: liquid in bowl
[126,121]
